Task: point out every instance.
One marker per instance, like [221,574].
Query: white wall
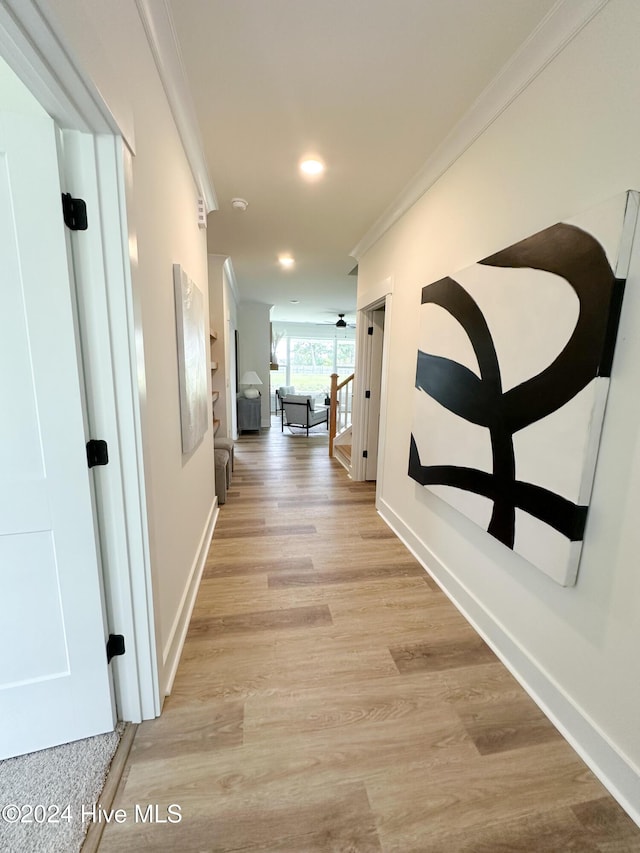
[218,350]
[255,345]
[568,142]
[230,303]
[223,313]
[109,40]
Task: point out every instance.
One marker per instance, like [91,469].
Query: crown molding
[163,41]
[557,29]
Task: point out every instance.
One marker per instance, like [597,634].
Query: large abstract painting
[192,359]
[512,373]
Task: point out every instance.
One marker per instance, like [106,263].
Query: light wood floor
[330,698]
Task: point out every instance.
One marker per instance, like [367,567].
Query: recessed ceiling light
[286,261]
[312,167]
[294,301]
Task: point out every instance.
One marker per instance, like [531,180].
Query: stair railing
[341,407]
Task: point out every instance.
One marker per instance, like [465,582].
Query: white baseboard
[178,633]
[616,772]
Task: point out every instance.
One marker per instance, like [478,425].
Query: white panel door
[54,680]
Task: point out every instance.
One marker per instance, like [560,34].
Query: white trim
[93,171]
[138,483]
[80,177]
[230,302]
[128,366]
[233,282]
[178,633]
[553,34]
[617,773]
[163,41]
[33,46]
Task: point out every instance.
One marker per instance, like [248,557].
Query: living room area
[249,341]
[303,358]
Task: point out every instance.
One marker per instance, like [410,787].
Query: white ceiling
[371,86]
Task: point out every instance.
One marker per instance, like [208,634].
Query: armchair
[299,411]
[281,392]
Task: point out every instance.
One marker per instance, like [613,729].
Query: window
[308,362]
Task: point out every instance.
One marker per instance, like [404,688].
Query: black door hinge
[115,646]
[370,330]
[367,395]
[97,452]
[365,454]
[74,211]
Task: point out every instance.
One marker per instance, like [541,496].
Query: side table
[249,413]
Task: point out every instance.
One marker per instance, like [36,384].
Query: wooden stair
[342,452]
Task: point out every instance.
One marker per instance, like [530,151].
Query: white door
[375,385]
[54,680]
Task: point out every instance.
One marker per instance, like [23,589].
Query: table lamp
[250,377]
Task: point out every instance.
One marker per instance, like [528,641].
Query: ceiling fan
[341,323]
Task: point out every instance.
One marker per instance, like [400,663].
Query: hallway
[330,698]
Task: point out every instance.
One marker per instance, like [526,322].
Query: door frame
[97,153]
[363,378]
[374,388]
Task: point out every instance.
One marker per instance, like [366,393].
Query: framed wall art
[512,372]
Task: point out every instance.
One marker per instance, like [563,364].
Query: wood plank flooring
[330,698]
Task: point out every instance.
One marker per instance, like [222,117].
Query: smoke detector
[239,203]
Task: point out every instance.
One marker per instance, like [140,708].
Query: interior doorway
[92,158]
[51,613]
[374,388]
[370,393]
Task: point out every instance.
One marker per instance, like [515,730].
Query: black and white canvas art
[512,373]
[192,359]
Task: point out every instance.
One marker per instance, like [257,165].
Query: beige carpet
[36,789]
